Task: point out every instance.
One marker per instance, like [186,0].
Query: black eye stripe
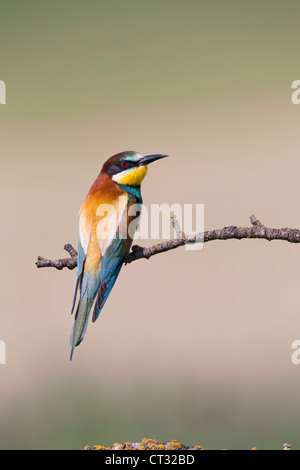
[117,167]
[128,164]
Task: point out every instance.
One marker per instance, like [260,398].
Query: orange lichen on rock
[154,444]
[174,445]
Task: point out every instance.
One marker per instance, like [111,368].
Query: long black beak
[150,158]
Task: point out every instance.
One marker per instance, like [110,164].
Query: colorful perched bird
[104,238]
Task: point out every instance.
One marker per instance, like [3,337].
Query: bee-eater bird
[104,238]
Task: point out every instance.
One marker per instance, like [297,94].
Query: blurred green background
[192,345]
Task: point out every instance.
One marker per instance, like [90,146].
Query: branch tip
[176,226]
[69,248]
[255,222]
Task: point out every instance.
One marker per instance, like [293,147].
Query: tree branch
[257,230]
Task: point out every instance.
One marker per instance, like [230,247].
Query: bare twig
[69,263]
[257,230]
[72,252]
[176,226]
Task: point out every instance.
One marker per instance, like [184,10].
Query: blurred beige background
[191,345]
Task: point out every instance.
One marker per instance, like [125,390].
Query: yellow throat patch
[132,177]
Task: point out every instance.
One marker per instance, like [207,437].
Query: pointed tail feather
[103,293]
[91,287]
[75,293]
[80,321]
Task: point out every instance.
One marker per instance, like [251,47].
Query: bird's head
[129,168]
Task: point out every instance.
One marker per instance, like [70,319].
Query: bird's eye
[124,164]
